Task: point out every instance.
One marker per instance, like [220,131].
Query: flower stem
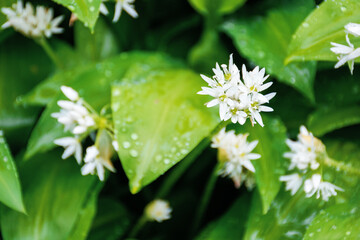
[138,226]
[205,199]
[339,165]
[50,52]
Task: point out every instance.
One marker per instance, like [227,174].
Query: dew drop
[123,129]
[311,234]
[343,9]
[173,149]
[126,145]
[134,136]
[305,24]
[348,233]
[5,159]
[166,161]
[134,153]
[158,158]
[92,8]
[129,119]
[183,151]
[116,92]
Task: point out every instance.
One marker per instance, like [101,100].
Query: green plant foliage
[86,10]
[219,7]
[271,148]
[328,119]
[54,195]
[336,222]
[265,40]
[10,190]
[155,136]
[325,24]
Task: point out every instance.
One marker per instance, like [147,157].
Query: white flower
[235,154]
[103,9]
[70,93]
[304,151]
[353,29]
[158,210]
[72,146]
[237,100]
[32,23]
[94,162]
[293,182]
[316,185]
[128,7]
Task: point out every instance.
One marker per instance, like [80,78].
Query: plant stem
[138,226]
[49,51]
[205,199]
[339,165]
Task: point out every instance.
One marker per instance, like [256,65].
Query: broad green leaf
[220,7]
[328,119]
[54,194]
[337,222]
[111,222]
[93,83]
[231,225]
[10,190]
[97,46]
[86,10]
[270,166]
[325,24]
[265,40]
[158,120]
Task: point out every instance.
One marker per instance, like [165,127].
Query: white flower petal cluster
[30,22]
[95,163]
[158,210]
[126,5]
[347,53]
[237,99]
[235,154]
[304,157]
[73,114]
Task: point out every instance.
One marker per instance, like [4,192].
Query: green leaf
[270,166]
[337,222]
[265,40]
[220,7]
[111,222]
[158,120]
[97,46]
[86,10]
[231,225]
[93,83]
[54,195]
[10,190]
[325,24]
[328,119]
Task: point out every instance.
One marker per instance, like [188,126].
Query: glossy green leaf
[97,46]
[111,222]
[328,119]
[265,40]
[337,222]
[93,83]
[86,10]
[220,7]
[325,24]
[270,166]
[54,195]
[158,120]
[231,225]
[10,190]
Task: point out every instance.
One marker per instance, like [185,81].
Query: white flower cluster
[237,99]
[76,117]
[158,210]
[304,157]
[127,5]
[347,53]
[32,23]
[235,155]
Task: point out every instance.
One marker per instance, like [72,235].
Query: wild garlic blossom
[347,53]
[238,99]
[235,156]
[158,210]
[306,157]
[81,121]
[126,5]
[30,22]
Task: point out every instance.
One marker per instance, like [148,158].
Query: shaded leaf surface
[216,6]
